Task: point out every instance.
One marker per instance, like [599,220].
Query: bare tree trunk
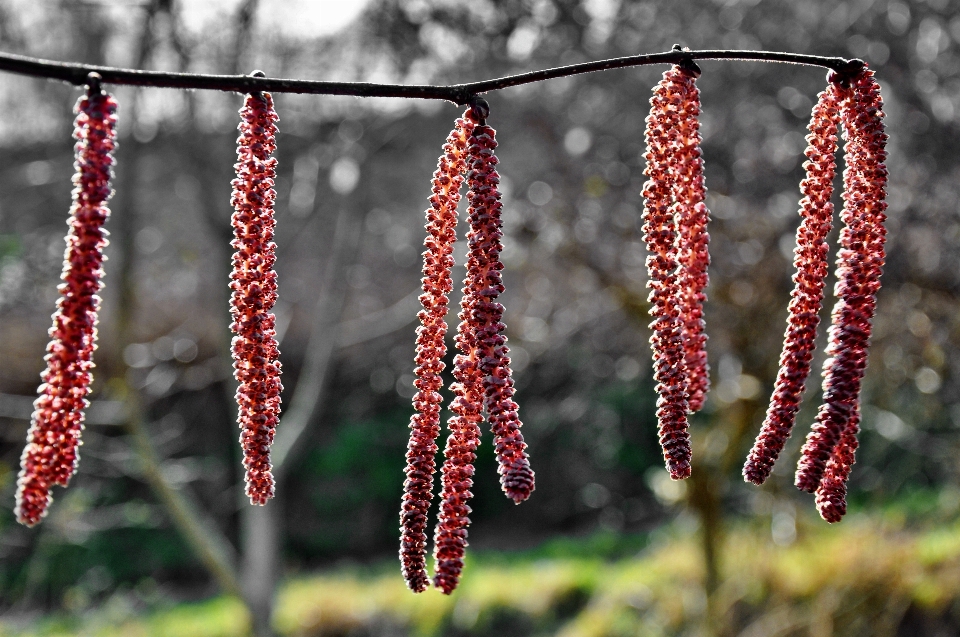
[261,531]
[262,526]
[308,395]
[704,498]
[707,484]
[710,474]
[199,531]
[243,26]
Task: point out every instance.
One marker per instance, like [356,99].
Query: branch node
[93,84]
[691,68]
[480,108]
[461,96]
[257,73]
[843,75]
[686,64]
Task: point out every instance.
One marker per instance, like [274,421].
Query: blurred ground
[876,576]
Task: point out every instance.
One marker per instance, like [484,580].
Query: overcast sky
[303,18]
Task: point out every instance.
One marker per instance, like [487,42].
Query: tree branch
[323,341]
[244,24]
[375,324]
[201,534]
[459,93]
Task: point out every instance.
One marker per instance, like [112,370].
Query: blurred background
[154,535]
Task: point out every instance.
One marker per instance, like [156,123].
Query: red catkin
[832,492]
[253,283]
[810,262]
[693,241]
[481,369]
[484,270]
[663,133]
[859,266]
[51,455]
[450,535]
[437,282]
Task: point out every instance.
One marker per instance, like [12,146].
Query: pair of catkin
[51,454]
[675,231]
[828,454]
[483,380]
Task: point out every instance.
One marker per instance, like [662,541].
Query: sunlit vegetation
[868,576]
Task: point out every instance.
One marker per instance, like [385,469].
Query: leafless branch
[203,536]
[324,337]
[379,323]
[244,24]
[77,74]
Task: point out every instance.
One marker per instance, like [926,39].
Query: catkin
[51,454]
[253,285]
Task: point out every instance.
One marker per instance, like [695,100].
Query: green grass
[856,578]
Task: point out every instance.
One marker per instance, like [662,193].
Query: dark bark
[77,74]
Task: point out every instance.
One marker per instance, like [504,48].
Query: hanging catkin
[859,265]
[450,535]
[810,262]
[693,241]
[486,284]
[482,369]
[51,454]
[437,283]
[254,291]
[663,136]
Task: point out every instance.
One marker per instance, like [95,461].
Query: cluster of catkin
[850,103]
[483,380]
[675,233]
[51,454]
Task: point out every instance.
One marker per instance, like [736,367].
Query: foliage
[870,576]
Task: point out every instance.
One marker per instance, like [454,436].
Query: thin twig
[460,93]
[244,25]
[309,393]
[381,322]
